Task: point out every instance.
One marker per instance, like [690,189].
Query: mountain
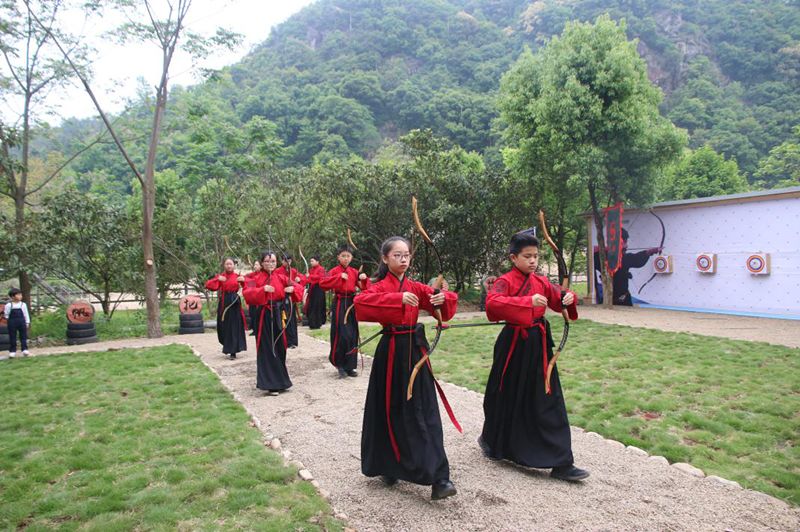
[344,77]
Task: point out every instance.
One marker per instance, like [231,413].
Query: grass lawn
[138,440]
[730,407]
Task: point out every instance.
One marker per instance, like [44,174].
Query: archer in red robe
[402,439]
[298,280]
[523,423]
[315,304]
[343,280]
[231,323]
[268,293]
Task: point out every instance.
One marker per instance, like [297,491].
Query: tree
[583,112]
[782,167]
[702,173]
[88,242]
[31,72]
[166,32]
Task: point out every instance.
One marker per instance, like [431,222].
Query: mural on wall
[733,257]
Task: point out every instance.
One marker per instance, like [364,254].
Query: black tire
[191,330]
[5,339]
[81,341]
[3,329]
[191,318]
[81,334]
[197,323]
[79,326]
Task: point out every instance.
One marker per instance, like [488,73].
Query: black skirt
[316,307]
[522,423]
[231,324]
[344,336]
[416,425]
[271,373]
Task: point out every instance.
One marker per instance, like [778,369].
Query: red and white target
[706,263]
[662,264]
[758,264]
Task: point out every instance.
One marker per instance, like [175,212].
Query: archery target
[662,264]
[706,263]
[758,264]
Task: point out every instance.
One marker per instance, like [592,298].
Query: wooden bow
[437,285]
[660,247]
[564,274]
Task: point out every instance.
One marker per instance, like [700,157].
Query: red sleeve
[316,274]
[332,280]
[257,296]
[554,301]
[513,309]
[213,283]
[448,309]
[365,284]
[297,295]
[376,305]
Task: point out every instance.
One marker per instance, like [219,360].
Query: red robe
[333,281]
[402,439]
[523,423]
[230,332]
[344,326]
[271,341]
[315,303]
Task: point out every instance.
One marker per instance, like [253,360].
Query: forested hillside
[348,77]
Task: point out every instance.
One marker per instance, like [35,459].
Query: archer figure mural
[622,294]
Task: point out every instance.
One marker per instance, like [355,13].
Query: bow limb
[564,274]
[660,246]
[300,251]
[437,285]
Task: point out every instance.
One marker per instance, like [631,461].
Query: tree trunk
[148,209]
[608,284]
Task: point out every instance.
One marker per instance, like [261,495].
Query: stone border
[270,440]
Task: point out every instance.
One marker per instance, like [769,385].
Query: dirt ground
[318,423]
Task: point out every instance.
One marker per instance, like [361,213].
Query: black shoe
[389,481]
[570,473]
[352,373]
[487,452]
[442,489]
[342,373]
[233,356]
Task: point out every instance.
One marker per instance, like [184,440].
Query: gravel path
[318,423]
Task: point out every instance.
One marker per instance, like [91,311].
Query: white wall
[733,232]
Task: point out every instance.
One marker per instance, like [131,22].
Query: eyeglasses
[401,256]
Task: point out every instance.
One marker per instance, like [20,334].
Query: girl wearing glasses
[402,439]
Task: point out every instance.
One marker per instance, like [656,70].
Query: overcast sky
[117,69]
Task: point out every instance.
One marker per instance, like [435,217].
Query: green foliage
[139,439]
[86,241]
[700,174]
[782,167]
[581,116]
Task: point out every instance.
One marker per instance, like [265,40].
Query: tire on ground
[191,330]
[86,333]
[81,341]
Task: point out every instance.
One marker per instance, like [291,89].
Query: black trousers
[17,326]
